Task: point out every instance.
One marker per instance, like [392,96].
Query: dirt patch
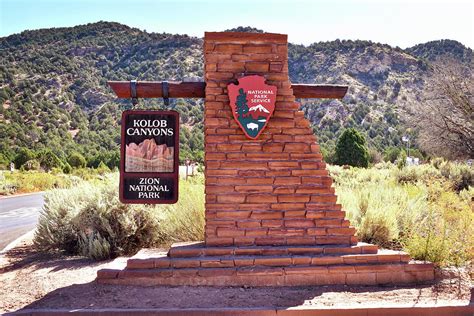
[34,280]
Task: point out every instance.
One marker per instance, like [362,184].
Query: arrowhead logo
[252,102]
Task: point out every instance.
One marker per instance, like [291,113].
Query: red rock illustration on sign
[252,102]
[148,157]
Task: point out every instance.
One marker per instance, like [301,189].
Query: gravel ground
[33,280]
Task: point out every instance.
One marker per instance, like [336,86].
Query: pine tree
[351,149]
[242,107]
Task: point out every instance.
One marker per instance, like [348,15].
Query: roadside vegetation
[425,210]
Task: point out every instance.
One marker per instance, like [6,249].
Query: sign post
[149,164]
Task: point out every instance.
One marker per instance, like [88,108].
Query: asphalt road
[18,215]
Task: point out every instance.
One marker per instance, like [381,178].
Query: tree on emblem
[242,107]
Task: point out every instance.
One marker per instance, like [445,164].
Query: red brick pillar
[274,190]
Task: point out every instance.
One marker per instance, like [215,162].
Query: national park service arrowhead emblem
[252,102]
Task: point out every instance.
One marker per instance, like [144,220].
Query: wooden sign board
[149,157]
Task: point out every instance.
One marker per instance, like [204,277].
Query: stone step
[225,261]
[351,274]
[198,249]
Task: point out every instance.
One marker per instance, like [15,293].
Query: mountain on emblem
[252,102]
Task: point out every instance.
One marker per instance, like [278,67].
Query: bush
[48,160]
[76,160]
[23,155]
[351,149]
[32,164]
[89,220]
[415,208]
[391,154]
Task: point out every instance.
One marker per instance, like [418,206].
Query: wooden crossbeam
[153,89]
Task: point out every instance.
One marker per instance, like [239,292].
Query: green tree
[48,160]
[23,155]
[242,107]
[391,154]
[76,160]
[351,149]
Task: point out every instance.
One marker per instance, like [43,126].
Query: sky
[402,23]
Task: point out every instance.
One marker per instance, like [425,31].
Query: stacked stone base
[195,264]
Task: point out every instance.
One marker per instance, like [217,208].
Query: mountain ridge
[53,91]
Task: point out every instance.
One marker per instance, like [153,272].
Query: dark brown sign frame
[168,177]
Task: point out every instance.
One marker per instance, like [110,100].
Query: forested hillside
[54,96]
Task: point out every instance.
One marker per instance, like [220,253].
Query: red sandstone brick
[278,173]
[228,48]
[299,223]
[249,224]
[328,222]
[267,156]
[293,198]
[271,241]
[341,231]
[292,214]
[231,198]
[266,215]
[243,262]
[333,240]
[301,260]
[244,165]
[262,198]
[326,260]
[219,76]
[254,188]
[282,138]
[229,232]
[287,232]
[272,223]
[255,181]
[282,123]
[234,214]
[283,190]
[244,241]
[278,261]
[288,206]
[361,279]
[249,48]
[315,214]
[272,147]
[208,251]
[229,181]
[282,165]
[257,66]
[219,189]
[276,67]
[231,66]
[316,231]
[235,156]
[253,206]
[219,241]
[217,122]
[296,147]
[287,180]
[309,172]
[256,232]
[324,198]
[220,223]
[185,263]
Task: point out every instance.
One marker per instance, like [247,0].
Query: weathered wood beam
[153,89]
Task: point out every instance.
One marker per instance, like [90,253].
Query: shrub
[351,149]
[23,155]
[76,160]
[48,160]
[391,154]
[32,164]
[89,220]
